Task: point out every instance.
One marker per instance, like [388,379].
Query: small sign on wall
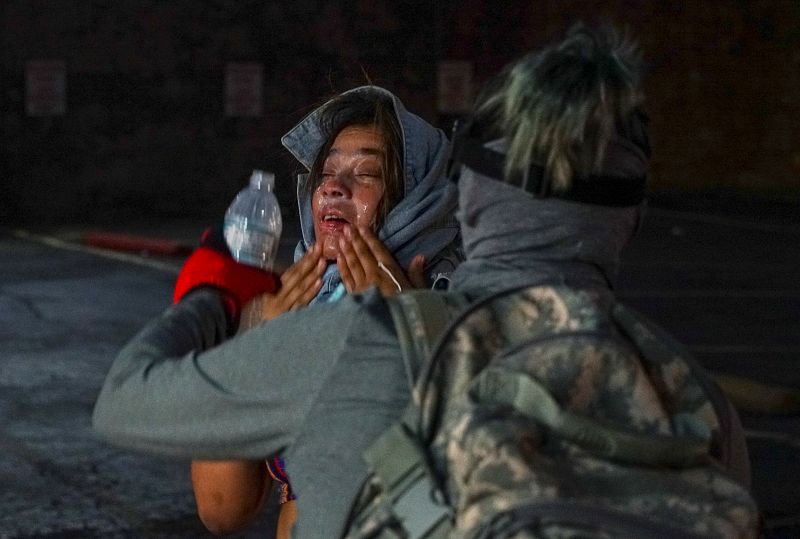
[244,83]
[454,86]
[45,88]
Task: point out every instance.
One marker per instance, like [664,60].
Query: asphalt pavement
[723,281]
[65,310]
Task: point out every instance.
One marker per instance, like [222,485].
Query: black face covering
[621,183]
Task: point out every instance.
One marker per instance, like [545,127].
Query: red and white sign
[454,87]
[244,82]
[45,88]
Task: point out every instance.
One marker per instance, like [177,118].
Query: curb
[136,244]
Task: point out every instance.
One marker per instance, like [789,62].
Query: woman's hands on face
[360,252]
[364,261]
[299,284]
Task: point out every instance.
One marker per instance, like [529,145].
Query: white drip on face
[351,187]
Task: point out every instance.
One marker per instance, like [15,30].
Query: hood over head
[513,239]
[422,221]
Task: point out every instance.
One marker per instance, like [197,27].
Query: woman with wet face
[375,210]
[351,186]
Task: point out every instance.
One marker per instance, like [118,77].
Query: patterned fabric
[642,462]
[277,470]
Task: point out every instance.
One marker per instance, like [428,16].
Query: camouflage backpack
[549,412]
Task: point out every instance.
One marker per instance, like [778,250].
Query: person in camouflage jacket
[545,408]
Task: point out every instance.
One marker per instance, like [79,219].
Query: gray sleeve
[364,394]
[178,389]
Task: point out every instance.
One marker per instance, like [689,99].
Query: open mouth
[333,222]
[335,218]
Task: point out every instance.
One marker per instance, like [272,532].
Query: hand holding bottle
[211,265]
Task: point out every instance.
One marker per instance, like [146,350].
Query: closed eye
[368,171]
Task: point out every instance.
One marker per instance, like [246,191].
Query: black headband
[469,150]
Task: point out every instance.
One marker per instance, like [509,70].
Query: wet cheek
[315,199]
[314,206]
[363,210]
[367,209]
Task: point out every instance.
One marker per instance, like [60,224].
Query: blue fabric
[422,222]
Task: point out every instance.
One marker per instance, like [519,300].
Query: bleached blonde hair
[559,107]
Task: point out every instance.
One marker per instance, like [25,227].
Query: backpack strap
[411,497]
[420,318]
[397,457]
[529,397]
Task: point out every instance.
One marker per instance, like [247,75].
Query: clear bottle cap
[262,180]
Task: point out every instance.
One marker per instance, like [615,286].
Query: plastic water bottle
[253,223]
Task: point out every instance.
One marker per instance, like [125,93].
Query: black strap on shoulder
[615,191]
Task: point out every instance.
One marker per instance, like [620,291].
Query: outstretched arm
[177,389]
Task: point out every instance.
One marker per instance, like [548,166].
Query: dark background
[145,134]
[145,146]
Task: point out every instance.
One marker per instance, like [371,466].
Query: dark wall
[722,88]
[144,131]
